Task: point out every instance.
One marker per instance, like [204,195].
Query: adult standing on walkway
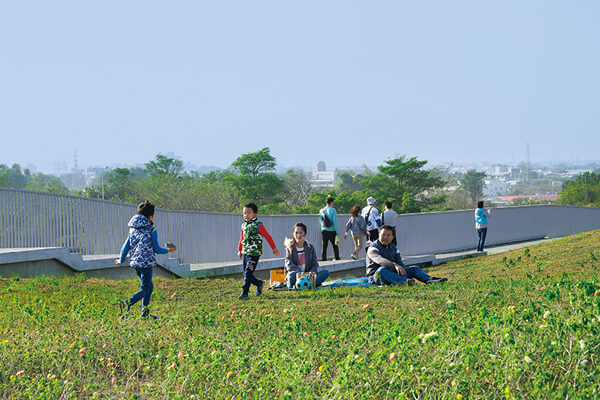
[481,216]
[388,217]
[373,219]
[329,229]
[301,256]
[358,228]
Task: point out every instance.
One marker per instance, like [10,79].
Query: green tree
[164,166]
[472,183]
[46,183]
[458,200]
[297,187]
[13,177]
[255,178]
[407,176]
[408,204]
[584,190]
[347,181]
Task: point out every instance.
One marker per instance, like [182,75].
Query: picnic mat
[362,282]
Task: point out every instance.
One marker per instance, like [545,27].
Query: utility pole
[105,168]
[528,162]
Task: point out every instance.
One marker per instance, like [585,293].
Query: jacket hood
[139,221]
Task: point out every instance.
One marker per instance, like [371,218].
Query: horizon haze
[346,82]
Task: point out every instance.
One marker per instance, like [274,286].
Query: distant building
[515,173]
[321,177]
[495,187]
[541,198]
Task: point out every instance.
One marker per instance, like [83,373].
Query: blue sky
[348,82]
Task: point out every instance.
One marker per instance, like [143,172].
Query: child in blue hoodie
[142,244]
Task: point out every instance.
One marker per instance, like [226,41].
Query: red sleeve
[265,234]
[241,238]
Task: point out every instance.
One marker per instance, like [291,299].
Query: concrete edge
[77,263]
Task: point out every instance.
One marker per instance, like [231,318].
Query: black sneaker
[124,305]
[433,279]
[243,296]
[146,314]
[259,288]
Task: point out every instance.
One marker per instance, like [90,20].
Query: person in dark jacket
[142,244]
[385,265]
[301,256]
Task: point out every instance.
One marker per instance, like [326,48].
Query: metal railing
[94,227]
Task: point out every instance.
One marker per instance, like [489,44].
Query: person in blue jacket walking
[142,244]
[481,216]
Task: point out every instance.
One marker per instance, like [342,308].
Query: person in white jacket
[373,219]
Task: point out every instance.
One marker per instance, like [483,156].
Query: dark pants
[249,264]
[373,235]
[329,236]
[146,286]
[482,233]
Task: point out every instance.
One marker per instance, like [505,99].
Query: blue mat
[361,282]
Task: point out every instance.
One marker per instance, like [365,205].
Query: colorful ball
[303,283]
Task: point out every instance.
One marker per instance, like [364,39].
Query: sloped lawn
[524,324]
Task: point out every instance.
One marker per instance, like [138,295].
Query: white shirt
[373,217]
[389,217]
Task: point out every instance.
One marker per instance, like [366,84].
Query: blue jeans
[322,275]
[146,286]
[249,264]
[387,277]
[482,233]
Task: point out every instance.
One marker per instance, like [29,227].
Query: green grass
[524,324]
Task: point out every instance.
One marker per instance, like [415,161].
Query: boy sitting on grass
[250,248]
[142,243]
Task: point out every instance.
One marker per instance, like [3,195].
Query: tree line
[405,181]
[252,177]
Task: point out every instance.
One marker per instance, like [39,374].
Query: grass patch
[523,324]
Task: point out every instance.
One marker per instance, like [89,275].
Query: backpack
[378,220]
[326,221]
[367,217]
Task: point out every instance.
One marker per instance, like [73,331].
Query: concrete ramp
[59,261]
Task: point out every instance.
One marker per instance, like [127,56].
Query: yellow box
[277,275]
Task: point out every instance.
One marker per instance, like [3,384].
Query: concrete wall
[440,232]
[89,226]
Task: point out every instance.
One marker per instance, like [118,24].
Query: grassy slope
[514,325]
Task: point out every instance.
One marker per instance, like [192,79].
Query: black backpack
[326,221]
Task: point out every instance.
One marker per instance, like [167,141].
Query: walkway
[58,261]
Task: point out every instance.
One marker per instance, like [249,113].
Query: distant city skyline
[344,81]
[67,166]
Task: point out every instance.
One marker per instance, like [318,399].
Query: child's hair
[480,204]
[388,204]
[354,210]
[252,206]
[299,225]
[146,209]
[329,200]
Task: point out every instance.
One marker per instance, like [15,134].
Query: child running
[142,243]
[250,248]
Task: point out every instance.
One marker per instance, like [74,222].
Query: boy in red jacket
[250,248]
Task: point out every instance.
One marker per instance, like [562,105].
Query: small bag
[326,221]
